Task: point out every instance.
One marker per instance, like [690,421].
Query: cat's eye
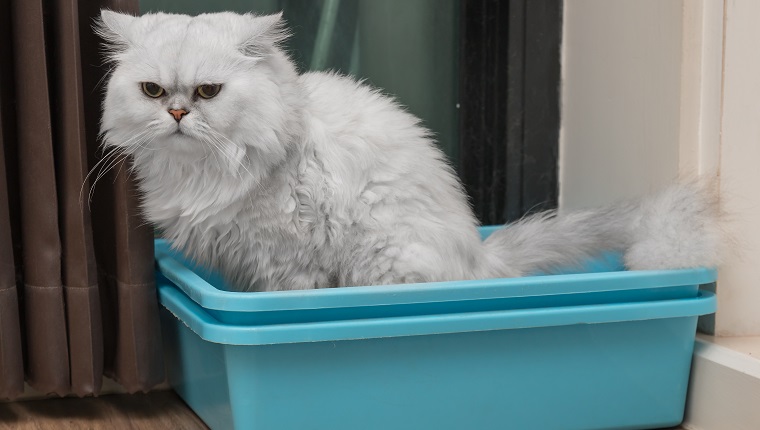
[152,90]
[209,90]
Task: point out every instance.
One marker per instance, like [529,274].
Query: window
[483,75]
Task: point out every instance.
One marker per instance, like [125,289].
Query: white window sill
[724,392]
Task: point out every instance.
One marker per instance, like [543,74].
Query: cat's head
[182,87]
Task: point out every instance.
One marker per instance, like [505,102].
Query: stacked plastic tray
[609,349]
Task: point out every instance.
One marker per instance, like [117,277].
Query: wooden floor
[154,411]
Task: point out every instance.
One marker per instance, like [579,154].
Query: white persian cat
[284,181]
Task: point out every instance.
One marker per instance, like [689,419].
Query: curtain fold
[124,244]
[77,289]
[47,361]
[11,364]
[137,358]
[79,268]
[11,359]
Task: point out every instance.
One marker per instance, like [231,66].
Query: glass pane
[406,48]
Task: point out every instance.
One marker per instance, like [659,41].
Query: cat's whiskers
[106,160]
[216,158]
[140,144]
[206,152]
[104,168]
[219,148]
[87,177]
[219,165]
[120,164]
[116,157]
[125,148]
[215,139]
[219,136]
[254,181]
[227,139]
[245,154]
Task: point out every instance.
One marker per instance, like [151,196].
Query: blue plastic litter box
[604,350]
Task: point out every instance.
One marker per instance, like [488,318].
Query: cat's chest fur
[267,234]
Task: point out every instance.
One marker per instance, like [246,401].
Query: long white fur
[287,181]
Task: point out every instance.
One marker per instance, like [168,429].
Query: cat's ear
[113,28]
[262,33]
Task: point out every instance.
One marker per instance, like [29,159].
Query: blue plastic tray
[575,351]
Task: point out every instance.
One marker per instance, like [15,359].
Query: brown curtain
[77,296]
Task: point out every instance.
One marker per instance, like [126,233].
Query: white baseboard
[724,392]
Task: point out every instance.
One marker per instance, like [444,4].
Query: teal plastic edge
[209,329]
[210,297]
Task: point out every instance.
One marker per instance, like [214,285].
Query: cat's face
[183,87]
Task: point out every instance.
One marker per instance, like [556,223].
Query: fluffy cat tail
[680,227]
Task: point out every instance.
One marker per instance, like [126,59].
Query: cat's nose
[178,113]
